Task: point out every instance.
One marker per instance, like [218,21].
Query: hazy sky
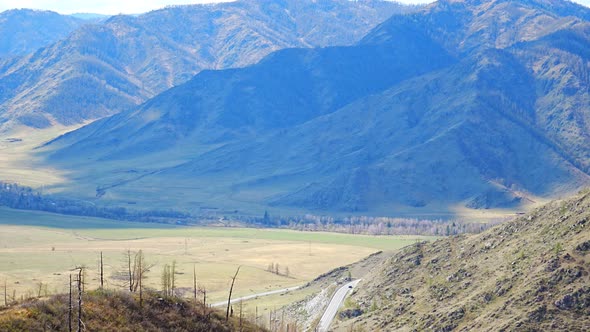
[124,6]
[110,6]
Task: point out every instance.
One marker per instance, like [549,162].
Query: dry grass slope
[530,274]
[119,311]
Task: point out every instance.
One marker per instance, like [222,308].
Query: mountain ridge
[23,31]
[454,133]
[101,69]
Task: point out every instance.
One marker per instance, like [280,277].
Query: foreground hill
[102,69]
[23,31]
[432,112]
[530,274]
[118,311]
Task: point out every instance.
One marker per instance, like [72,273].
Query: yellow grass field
[39,251]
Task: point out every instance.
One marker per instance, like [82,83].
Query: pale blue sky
[123,6]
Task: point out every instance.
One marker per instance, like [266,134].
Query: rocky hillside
[431,113]
[101,69]
[118,311]
[530,274]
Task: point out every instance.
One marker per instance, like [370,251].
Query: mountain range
[101,69]
[462,105]
[24,31]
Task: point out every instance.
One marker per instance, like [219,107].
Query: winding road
[254,296]
[334,305]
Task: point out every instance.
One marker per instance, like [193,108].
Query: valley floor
[39,250]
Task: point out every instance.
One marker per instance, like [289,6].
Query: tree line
[374,225]
[20,197]
[25,198]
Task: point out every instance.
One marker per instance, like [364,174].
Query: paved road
[253,296]
[334,305]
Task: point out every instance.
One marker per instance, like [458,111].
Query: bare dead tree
[231,288]
[80,283]
[173,277]
[166,280]
[136,270]
[141,268]
[204,297]
[130,271]
[101,272]
[5,294]
[70,307]
[141,274]
[195,282]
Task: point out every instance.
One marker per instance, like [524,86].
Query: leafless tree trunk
[205,297]
[195,283]
[166,280]
[140,279]
[5,294]
[80,282]
[233,280]
[130,272]
[173,277]
[101,272]
[70,307]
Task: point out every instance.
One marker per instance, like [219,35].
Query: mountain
[23,31]
[529,274]
[102,69]
[463,105]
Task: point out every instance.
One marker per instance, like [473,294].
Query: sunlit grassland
[43,248]
[19,161]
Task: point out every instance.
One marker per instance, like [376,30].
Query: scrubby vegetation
[105,310]
[529,274]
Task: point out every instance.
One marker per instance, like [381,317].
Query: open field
[43,248]
[19,161]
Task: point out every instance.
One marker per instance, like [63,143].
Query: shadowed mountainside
[416,117]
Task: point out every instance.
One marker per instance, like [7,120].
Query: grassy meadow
[39,250]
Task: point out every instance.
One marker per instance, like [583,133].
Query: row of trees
[25,198]
[375,225]
[276,269]
[22,197]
